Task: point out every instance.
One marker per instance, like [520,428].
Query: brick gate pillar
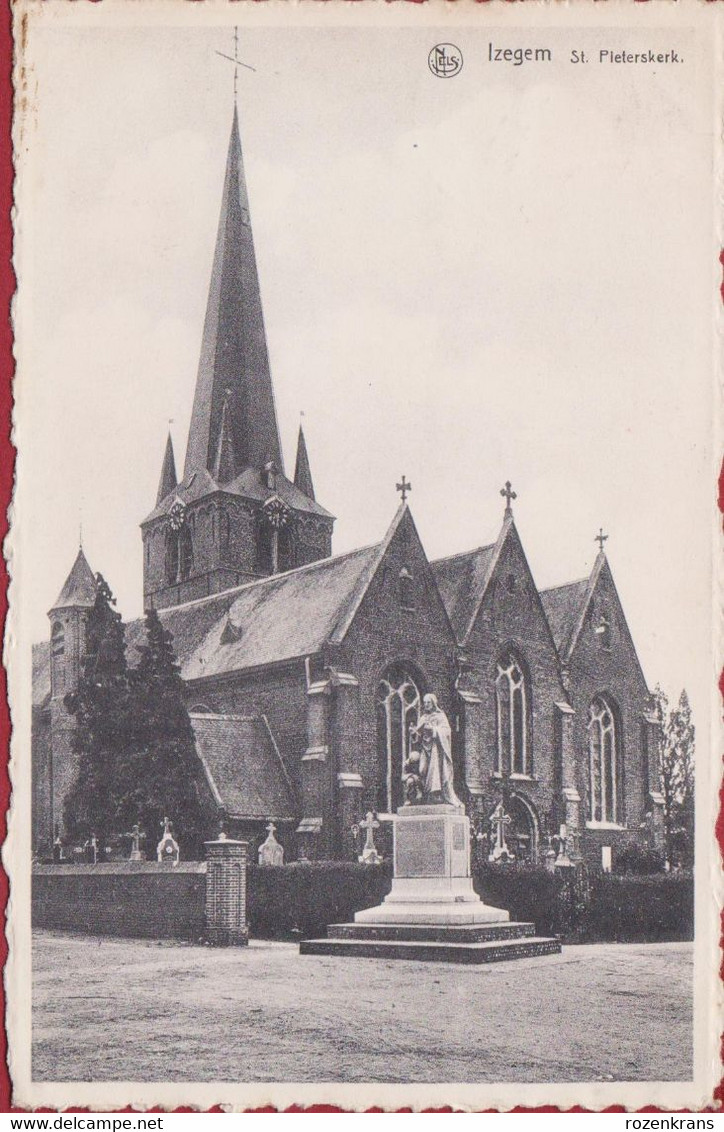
[226,924]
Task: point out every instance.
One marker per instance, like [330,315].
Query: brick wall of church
[385,633]
[511,616]
[614,672]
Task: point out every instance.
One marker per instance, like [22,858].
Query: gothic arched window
[224,528]
[171,557]
[398,706]
[406,589]
[512,704]
[179,555]
[602,629]
[603,754]
[185,554]
[57,639]
[286,548]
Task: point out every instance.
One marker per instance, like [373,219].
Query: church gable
[399,600]
[510,607]
[601,639]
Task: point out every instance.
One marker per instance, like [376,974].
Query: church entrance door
[523,832]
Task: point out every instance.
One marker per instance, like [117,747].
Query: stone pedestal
[432,882]
[432,912]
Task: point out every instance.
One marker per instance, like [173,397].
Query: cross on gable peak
[404,489]
[509,496]
[600,539]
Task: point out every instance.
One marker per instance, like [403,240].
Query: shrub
[530,894]
[638,861]
[301,899]
[648,909]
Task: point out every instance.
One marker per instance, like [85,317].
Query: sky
[503,275]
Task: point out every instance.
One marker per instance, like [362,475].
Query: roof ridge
[564,585]
[462,553]
[320,562]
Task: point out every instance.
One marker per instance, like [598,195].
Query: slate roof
[276,618]
[250,484]
[462,580]
[243,766]
[80,585]
[562,606]
[279,618]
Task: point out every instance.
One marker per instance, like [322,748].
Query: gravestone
[270,851]
[136,836]
[167,849]
[369,854]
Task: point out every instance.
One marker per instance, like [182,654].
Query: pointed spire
[168,479]
[224,468]
[233,350]
[302,471]
[80,586]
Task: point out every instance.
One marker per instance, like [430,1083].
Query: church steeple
[302,471]
[224,468]
[234,362]
[234,516]
[168,479]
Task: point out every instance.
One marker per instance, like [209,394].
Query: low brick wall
[124,898]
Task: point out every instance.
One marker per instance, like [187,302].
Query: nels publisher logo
[445,60]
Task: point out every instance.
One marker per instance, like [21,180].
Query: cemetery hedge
[299,900]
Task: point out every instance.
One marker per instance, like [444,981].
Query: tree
[162,778]
[676,764]
[102,708]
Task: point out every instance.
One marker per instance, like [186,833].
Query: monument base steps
[432,911]
[484,951]
[431,933]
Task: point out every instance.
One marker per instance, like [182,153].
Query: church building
[304,671]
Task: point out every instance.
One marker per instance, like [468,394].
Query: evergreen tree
[163,778]
[677,777]
[101,706]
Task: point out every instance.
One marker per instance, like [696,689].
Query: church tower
[68,619]
[234,516]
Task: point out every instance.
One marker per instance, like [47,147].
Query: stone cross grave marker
[369,855]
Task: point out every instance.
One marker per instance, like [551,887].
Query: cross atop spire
[404,489]
[600,539]
[509,494]
[236,61]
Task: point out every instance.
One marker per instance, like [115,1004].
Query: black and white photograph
[363,549]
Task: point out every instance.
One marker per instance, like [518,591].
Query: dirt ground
[110,1009]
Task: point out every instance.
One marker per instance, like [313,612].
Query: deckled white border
[705,18]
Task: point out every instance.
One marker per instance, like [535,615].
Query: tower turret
[302,471]
[168,479]
[68,620]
